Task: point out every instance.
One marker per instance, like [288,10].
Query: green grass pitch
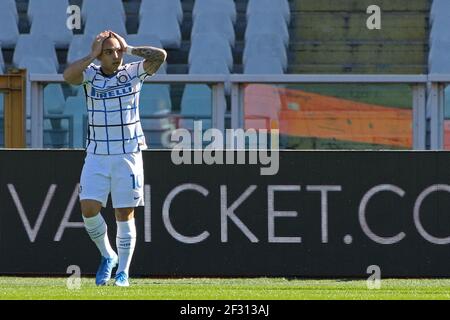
[225,289]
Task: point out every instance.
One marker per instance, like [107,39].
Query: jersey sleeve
[89,73]
[137,69]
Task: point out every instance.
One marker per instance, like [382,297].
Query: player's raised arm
[154,57]
[74,72]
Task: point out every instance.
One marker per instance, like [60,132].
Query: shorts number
[136,181]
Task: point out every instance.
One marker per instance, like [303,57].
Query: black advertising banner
[323,214]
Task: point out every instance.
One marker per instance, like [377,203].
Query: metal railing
[218,83]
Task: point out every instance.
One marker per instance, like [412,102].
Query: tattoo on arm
[154,57]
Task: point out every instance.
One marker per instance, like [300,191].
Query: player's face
[111,57]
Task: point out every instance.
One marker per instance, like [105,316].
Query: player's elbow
[71,78]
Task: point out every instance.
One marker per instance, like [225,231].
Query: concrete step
[357,69]
[352,26]
[359,5]
[358,53]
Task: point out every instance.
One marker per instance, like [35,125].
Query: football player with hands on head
[114,145]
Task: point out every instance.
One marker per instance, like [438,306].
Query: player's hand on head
[121,40]
[98,43]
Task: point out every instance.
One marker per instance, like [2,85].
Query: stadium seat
[213,65]
[214,22]
[9,31]
[38,65]
[43,7]
[155,102]
[439,8]
[80,47]
[196,105]
[266,45]
[210,45]
[144,40]
[30,47]
[99,8]
[438,57]
[54,99]
[165,8]
[53,26]
[226,7]
[263,65]
[76,107]
[439,29]
[2,62]
[167,29]
[273,7]
[111,21]
[9,6]
[265,23]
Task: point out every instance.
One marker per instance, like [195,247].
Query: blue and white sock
[125,241]
[98,232]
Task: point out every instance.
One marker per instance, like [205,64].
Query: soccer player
[113,162]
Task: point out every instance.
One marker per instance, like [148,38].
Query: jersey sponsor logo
[112,92]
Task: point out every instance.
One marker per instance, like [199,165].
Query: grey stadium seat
[214,22]
[267,45]
[98,8]
[438,57]
[38,65]
[9,6]
[9,31]
[2,62]
[80,47]
[165,8]
[439,7]
[167,29]
[96,24]
[196,105]
[42,7]
[226,7]
[54,99]
[213,65]
[76,107]
[29,46]
[143,40]
[211,45]
[275,7]
[53,26]
[266,23]
[155,106]
[263,65]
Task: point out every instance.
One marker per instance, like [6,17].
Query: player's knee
[124,214]
[90,208]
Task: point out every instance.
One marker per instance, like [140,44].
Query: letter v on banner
[32,231]
[65,223]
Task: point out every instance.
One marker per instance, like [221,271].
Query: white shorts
[122,175]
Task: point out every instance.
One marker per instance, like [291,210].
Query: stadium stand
[35,46]
[163,8]
[110,21]
[9,6]
[225,7]
[267,46]
[342,43]
[98,8]
[79,46]
[210,45]
[277,7]
[53,27]
[9,32]
[216,23]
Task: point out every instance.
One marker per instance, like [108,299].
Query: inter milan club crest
[123,78]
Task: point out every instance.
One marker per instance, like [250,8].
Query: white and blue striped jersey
[114,125]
